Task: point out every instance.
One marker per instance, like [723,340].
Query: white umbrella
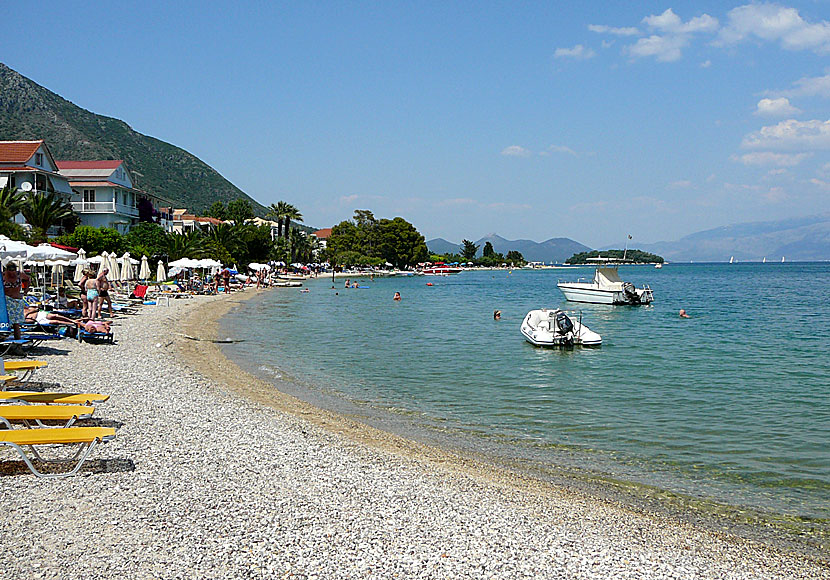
[13,249]
[80,263]
[45,252]
[161,276]
[112,263]
[144,270]
[102,261]
[127,273]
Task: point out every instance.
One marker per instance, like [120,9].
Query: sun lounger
[99,337]
[84,437]
[9,343]
[52,397]
[24,368]
[28,414]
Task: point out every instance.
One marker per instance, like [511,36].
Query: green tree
[44,210]
[227,236]
[279,251]
[277,212]
[218,210]
[291,213]
[11,202]
[468,249]
[95,240]
[400,243]
[240,211]
[146,239]
[190,245]
[515,257]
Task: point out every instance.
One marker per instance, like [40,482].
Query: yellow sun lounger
[24,369]
[85,437]
[49,398]
[39,413]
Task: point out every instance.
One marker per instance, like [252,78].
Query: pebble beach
[215,474]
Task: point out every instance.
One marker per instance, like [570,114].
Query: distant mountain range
[29,112]
[798,239]
[552,250]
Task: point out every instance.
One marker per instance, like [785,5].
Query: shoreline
[772,530]
[204,482]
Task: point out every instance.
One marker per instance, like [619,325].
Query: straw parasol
[161,275]
[144,270]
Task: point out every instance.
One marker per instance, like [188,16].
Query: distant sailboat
[782,259]
[732,259]
[764,261]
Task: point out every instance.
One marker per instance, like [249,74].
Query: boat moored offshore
[553,327]
[607,287]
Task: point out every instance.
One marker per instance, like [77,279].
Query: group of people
[95,292]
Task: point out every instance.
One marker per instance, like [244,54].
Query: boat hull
[589,294]
[546,335]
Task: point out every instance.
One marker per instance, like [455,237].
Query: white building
[30,167]
[103,195]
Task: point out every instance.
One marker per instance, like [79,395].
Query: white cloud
[775,172]
[682,184]
[774,195]
[624,31]
[774,23]
[671,23]
[562,149]
[790,135]
[578,52]
[456,201]
[822,184]
[776,108]
[810,87]
[675,35]
[706,64]
[770,158]
[663,48]
[516,151]
[348,198]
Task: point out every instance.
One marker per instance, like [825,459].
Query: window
[89,195]
[39,159]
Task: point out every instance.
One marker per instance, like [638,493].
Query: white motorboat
[554,327]
[607,287]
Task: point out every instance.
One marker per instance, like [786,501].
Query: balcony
[104,207]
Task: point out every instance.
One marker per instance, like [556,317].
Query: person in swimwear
[15,284]
[683,314]
[103,285]
[397,297]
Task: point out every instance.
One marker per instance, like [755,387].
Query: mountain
[797,239]
[552,250]
[30,112]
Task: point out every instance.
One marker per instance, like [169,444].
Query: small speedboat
[607,287]
[546,327]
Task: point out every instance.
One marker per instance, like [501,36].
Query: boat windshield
[607,276]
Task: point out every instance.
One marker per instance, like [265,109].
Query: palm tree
[11,202]
[291,213]
[189,245]
[227,236]
[300,246]
[43,210]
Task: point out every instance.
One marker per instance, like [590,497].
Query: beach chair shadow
[90,466]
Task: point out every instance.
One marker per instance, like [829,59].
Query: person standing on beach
[13,284]
[226,280]
[82,284]
[103,285]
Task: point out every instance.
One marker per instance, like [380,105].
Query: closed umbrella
[115,271]
[144,270]
[161,275]
[80,263]
[126,268]
[102,261]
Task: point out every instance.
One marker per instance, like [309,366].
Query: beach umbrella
[102,261]
[126,268]
[80,263]
[161,276]
[144,270]
[13,249]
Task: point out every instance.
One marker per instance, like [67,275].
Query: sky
[533,120]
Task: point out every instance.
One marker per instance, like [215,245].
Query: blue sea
[731,405]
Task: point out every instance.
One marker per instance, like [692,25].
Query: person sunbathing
[44,317]
[96,326]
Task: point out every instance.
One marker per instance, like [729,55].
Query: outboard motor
[563,324]
[630,293]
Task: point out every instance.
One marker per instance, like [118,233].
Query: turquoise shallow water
[731,405]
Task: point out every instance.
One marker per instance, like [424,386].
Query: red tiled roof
[22,168]
[18,151]
[107,164]
[95,183]
[323,234]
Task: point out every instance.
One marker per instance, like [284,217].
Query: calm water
[731,405]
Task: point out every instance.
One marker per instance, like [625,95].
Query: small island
[632,256]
